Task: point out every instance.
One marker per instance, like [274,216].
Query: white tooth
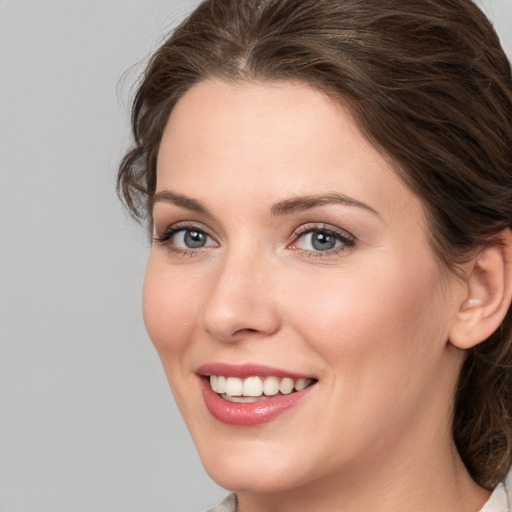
[233,386]
[221,384]
[301,384]
[286,386]
[252,386]
[213,382]
[271,386]
[241,399]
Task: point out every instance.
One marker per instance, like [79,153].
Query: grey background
[87,422]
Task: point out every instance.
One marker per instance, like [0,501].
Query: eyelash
[348,241]
[165,237]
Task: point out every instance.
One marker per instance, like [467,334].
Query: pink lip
[246,370]
[251,413]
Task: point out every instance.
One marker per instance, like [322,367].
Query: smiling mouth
[254,389]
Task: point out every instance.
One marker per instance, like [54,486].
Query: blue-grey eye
[322,241]
[318,241]
[191,239]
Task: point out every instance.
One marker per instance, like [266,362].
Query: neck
[405,486]
[415,468]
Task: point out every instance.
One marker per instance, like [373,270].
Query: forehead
[261,141]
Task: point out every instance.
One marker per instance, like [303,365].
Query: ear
[489,292]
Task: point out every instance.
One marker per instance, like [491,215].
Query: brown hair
[427,82]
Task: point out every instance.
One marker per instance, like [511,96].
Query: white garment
[228,505]
[500,500]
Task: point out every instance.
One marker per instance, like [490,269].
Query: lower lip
[251,413]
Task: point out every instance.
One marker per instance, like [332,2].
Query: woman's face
[288,253]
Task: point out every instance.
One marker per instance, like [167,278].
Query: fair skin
[346,292]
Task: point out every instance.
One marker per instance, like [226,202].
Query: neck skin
[420,471]
[412,486]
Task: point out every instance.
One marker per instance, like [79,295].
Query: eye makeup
[189,238]
[314,240]
[324,240]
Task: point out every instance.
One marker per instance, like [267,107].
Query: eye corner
[185,238]
[329,241]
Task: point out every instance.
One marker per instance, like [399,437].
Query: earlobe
[489,292]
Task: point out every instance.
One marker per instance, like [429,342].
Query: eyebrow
[188,203]
[285,207]
[301,203]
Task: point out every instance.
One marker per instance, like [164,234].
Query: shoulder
[501,498]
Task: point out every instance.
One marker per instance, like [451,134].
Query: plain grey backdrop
[87,423]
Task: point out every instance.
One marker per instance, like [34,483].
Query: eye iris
[194,239]
[322,241]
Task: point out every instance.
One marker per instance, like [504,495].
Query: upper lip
[243,371]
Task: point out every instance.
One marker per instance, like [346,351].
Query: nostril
[245,331]
[230,316]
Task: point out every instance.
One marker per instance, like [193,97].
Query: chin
[250,468]
[251,479]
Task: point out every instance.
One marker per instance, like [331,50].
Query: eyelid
[347,239]
[164,237]
[176,226]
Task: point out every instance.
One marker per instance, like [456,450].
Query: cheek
[383,336]
[170,305]
[372,321]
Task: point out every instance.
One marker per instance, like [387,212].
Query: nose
[242,301]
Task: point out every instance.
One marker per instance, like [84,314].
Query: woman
[329,188]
